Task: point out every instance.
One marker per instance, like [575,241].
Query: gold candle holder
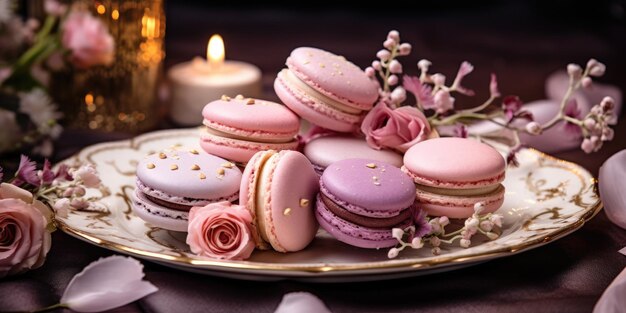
[123,95]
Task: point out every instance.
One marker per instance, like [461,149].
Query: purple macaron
[361,201]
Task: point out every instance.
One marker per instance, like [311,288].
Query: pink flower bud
[370,72]
[496,219]
[486,225]
[397,233]
[79,204]
[595,68]
[589,123]
[436,250]
[68,192]
[383,54]
[587,145]
[435,226]
[596,110]
[444,221]
[574,70]
[478,208]
[423,65]
[587,82]
[392,80]
[377,66]
[465,243]
[398,95]
[594,140]
[471,222]
[393,252]
[439,79]
[79,191]
[405,49]
[435,241]
[61,207]
[389,43]
[607,103]
[607,134]
[534,128]
[417,243]
[394,35]
[395,67]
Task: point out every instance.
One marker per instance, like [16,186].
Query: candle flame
[215,51]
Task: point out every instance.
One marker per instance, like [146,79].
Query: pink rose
[88,40]
[24,240]
[397,129]
[220,230]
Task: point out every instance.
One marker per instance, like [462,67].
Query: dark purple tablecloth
[522,43]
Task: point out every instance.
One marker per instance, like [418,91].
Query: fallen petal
[107,284]
[301,302]
[613,300]
[611,181]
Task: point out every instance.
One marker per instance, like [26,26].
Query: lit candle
[200,81]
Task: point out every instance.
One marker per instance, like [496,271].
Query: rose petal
[611,182]
[107,284]
[613,300]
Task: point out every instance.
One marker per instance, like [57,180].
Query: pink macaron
[279,189]
[326,150]
[453,174]
[361,201]
[237,128]
[170,182]
[326,89]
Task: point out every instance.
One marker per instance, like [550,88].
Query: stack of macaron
[354,192]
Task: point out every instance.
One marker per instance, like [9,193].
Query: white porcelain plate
[546,199]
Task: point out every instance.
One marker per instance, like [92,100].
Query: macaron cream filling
[290,77]
[383,223]
[223,134]
[460,192]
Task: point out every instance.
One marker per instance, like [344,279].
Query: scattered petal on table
[107,284]
[301,302]
[611,181]
[623,251]
[613,300]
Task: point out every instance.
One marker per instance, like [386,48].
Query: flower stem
[573,85]
[52,307]
[394,54]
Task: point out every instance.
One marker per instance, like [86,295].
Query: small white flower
[465,243]
[438,79]
[435,241]
[398,95]
[436,250]
[393,252]
[395,67]
[574,70]
[88,174]
[405,49]
[6,10]
[61,207]
[479,207]
[471,222]
[595,68]
[534,128]
[417,243]
[444,221]
[423,65]
[38,106]
[486,225]
[397,233]
[383,54]
[496,219]
[389,43]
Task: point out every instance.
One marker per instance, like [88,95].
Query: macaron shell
[189,174]
[458,207]
[454,163]
[369,187]
[158,215]
[352,234]
[247,193]
[313,110]
[271,120]
[293,185]
[333,76]
[325,150]
[239,150]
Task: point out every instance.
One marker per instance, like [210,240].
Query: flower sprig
[432,231]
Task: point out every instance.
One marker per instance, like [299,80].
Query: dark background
[523,42]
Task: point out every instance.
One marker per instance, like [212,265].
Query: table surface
[523,44]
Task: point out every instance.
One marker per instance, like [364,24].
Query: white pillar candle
[194,84]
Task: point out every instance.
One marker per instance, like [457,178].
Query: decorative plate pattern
[546,199]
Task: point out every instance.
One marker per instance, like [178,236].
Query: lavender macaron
[361,201]
[170,182]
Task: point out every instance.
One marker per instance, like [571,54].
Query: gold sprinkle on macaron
[195,167]
[304,202]
[250,101]
[150,166]
[377,183]
[322,65]
[239,97]
[375,177]
[228,165]
[371,165]
[193,151]
[220,171]
[383,169]
[307,62]
[202,176]
[173,167]
[287,212]
[225,98]
[162,155]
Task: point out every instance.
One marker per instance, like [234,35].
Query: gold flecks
[202,176]
[193,151]
[371,165]
[225,98]
[287,212]
[304,202]
[195,167]
[220,171]
[150,166]
[377,183]
[341,57]
[383,169]
[239,97]
[162,155]
[375,177]
[176,157]
[250,101]
[228,165]
[173,167]
[322,65]
[306,62]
